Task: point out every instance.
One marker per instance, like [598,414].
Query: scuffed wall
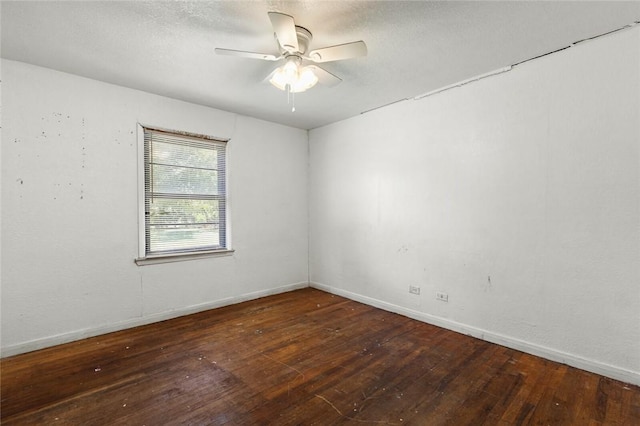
[70,209]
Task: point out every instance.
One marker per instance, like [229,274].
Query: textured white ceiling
[415,47]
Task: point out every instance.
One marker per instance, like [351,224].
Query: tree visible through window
[185,193]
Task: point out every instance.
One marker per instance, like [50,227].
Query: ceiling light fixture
[293,43]
[293,78]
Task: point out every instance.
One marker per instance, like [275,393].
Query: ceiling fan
[293,42]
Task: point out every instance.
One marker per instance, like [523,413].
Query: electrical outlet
[444,297]
[414,289]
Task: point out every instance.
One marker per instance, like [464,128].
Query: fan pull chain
[291,98]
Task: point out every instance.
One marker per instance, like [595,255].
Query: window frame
[145,258]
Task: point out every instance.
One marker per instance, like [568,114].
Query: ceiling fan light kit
[293,42]
[292,77]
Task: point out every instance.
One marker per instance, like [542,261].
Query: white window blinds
[185,193]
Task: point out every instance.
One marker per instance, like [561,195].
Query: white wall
[518,195]
[69,210]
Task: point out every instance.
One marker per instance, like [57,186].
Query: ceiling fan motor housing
[304,40]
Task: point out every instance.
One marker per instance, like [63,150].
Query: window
[185,201]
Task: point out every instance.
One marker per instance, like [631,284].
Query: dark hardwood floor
[302,358]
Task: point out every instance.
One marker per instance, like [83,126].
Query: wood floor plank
[303,357]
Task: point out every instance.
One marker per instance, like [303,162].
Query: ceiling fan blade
[285,29]
[339,52]
[250,55]
[325,77]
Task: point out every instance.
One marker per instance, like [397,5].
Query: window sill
[181,257]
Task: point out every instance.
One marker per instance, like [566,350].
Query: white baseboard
[71,336]
[603,369]
[510,342]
